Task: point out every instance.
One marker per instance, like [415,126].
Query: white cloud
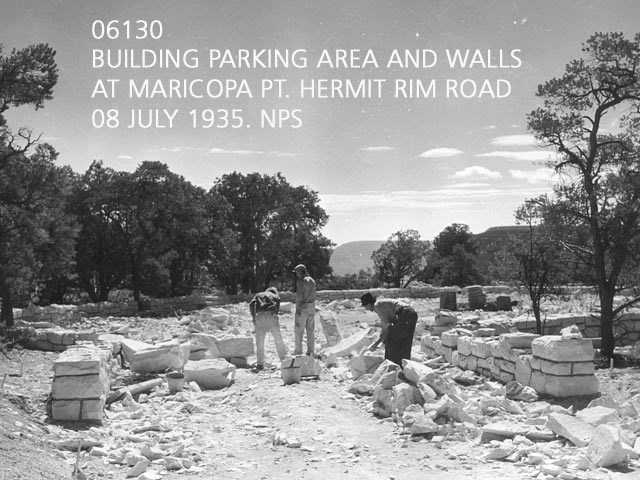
[514,140]
[441,153]
[447,197]
[222,151]
[529,156]
[125,157]
[468,185]
[540,175]
[377,149]
[477,172]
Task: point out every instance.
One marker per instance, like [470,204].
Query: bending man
[264,308]
[398,324]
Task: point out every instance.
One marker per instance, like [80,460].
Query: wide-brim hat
[367,299]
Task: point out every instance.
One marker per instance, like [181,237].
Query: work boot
[258,367]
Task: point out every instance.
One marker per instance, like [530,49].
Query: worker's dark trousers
[400,337]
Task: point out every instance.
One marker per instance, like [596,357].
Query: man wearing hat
[264,308]
[398,325]
[305,310]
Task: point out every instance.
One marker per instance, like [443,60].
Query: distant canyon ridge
[349,258]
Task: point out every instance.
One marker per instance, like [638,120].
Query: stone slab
[210,374]
[573,429]
[80,361]
[558,349]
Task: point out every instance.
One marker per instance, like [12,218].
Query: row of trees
[150,231]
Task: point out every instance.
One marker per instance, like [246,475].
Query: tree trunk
[535,306]
[6,314]
[135,284]
[608,342]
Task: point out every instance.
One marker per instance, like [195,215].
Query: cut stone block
[207,342]
[577,385]
[115,341]
[130,347]
[66,410]
[555,348]
[330,327]
[605,448]
[310,367]
[158,358]
[80,386]
[445,318]
[506,377]
[450,338]
[523,369]
[521,340]
[93,409]
[464,345]
[481,347]
[413,371]
[210,374]
[80,361]
[364,364]
[597,415]
[486,332]
[505,365]
[235,347]
[575,430]
[353,344]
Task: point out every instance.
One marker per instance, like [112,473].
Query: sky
[319,91]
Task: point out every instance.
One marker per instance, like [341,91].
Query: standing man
[398,324]
[305,310]
[264,308]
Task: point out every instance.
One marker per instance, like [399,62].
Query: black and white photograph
[310,239]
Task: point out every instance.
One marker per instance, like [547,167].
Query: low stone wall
[626,329]
[331,295]
[549,364]
[51,339]
[155,307]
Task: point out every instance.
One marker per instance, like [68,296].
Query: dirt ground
[257,428]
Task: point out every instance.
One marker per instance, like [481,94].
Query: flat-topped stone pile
[80,384]
[557,365]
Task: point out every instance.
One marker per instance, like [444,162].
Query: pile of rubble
[438,402]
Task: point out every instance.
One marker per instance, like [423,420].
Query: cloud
[441,152]
[540,175]
[514,140]
[125,157]
[177,149]
[377,149]
[219,151]
[477,172]
[529,156]
[222,151]
[450,196]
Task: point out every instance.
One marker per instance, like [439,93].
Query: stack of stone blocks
[555,365]
[81,384]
